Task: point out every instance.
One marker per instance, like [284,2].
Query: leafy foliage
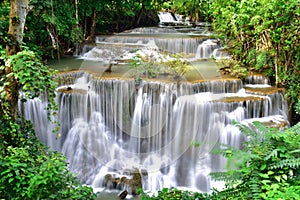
[31,76]
[176,66]
[197,10]
[263,35]
[266,168]
[234,68]
[29,170]
[144,67]
[152,65]
[51,27]
[4,21]
[174,194]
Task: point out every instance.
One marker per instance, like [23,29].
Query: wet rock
[135,182]
[123,194]
[132,180]
[148,18]
[108,181]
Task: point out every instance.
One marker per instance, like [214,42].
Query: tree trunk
[140,16]
[93,27]
[18,12]
[276,66]
[85,34]
[76,14]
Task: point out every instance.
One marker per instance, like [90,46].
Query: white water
[113,127]
[167,17]
[206,49]
[196,45]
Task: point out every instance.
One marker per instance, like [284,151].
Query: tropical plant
[29,75]
[153,64]
[4,21]
[52,27]
[29,170]
[174,194]
[266,168]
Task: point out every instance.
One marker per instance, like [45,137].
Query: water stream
[112,128]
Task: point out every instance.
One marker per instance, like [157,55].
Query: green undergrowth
[29,170]
[267,167]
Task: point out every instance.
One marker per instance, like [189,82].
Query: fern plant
[267,167]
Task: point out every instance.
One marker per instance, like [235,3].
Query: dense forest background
[261,35]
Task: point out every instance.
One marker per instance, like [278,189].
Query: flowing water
[112,128]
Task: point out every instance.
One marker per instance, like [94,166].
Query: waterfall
[256,79]
[167,17]
[161,131]
[166,40]
[109,127]
[206,49]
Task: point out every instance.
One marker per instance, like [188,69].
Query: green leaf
[271,172]
[10,180]
[263,175]
[263,167]
[284,177]
[277,178]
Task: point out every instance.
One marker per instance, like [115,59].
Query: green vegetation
[30,76]
[54,27]
[174,194]
[29,170]
[152,66]
[263,35]
[267,167]
[197,10]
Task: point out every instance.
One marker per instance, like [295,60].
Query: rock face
[135,182]
[131,181]
[123,194]
[148,18]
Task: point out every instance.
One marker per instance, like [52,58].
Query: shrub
[268,167]
[174,194]
[29,170]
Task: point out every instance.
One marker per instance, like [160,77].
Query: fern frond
[255,187]
[261,127]
[295,151]
[290,163]
[232,193]
[245,129]
[240,158]
[273,153]
[295,128]
[226,176]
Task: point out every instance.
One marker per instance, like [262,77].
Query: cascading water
[196,43]
[112,128]
[206,49]
[168,17]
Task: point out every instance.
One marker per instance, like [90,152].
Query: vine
[33,79]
